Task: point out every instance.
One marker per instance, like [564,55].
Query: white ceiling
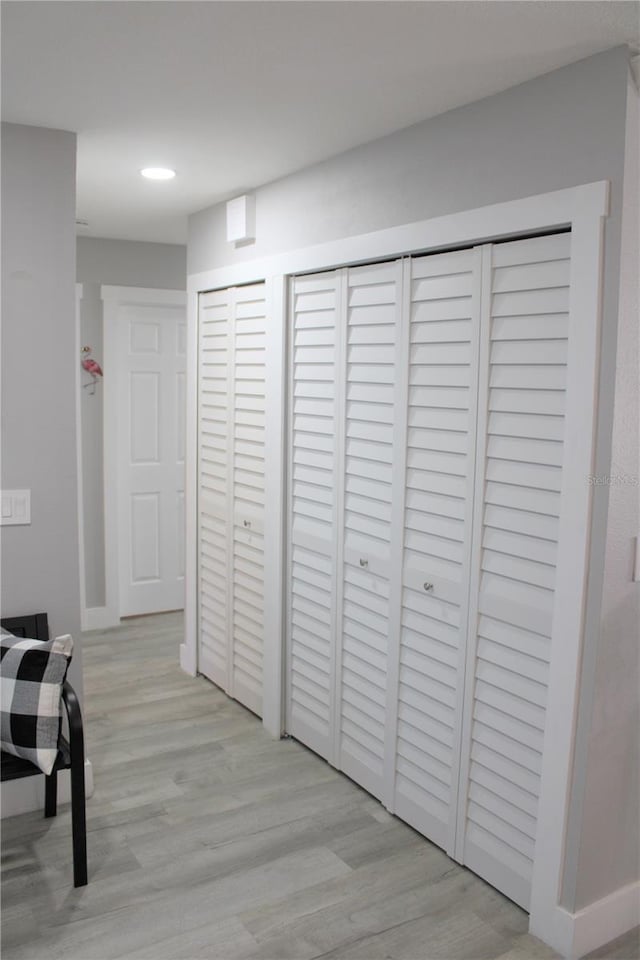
[235,94]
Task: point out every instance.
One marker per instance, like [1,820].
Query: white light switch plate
[16,507]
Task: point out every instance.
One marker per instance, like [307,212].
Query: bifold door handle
[428,586]
[246,523]
[363,562]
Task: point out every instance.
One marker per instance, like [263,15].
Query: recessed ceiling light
[158,173]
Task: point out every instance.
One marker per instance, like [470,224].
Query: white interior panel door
[518,498]
[232,329]
[151,345]
[314,482]
[443,348]
[371,329]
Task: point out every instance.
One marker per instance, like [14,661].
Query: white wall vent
[241,219]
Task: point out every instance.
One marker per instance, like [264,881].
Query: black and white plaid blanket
[31,676]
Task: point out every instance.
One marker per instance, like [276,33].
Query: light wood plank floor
[209,839]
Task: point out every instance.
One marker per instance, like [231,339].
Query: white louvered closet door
[232,327]
[313,517]
[427,436]
[372,331]
[520,454]
[442,380]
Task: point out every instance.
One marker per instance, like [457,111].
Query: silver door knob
[363,562]
[428,586]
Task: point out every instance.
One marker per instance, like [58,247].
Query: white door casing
[145,430]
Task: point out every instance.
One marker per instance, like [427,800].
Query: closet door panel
[518,506]
[249,370]
[443,344]
[373,301]
[214,460]
[313,485]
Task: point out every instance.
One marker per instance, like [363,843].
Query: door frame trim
[113,299]
[582,209]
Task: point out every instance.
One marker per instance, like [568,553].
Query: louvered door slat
[517,505]
[444,325]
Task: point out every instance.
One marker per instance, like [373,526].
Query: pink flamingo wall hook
[92,367]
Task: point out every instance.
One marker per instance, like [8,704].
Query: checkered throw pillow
[31,676]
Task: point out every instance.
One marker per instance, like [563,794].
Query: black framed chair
[70,754]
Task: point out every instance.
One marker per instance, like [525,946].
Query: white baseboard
[99,618]
[576,934]
[606,919]
[187,660]
[26,795]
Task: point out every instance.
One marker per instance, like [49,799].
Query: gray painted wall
[607,786]
[127,263]
[91,411]
[533,138]
[40,561]
[123,263]
[556,131]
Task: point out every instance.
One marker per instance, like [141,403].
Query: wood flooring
[208,839]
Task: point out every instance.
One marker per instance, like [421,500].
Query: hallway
[209,839]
